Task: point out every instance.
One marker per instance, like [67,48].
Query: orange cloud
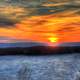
[45,29]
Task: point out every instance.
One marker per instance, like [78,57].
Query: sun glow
[53,39]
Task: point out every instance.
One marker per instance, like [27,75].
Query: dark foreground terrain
[39,50]
[35,48]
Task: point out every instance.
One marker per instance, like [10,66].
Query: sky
[41,21]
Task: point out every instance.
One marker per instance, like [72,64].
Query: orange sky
[45,29]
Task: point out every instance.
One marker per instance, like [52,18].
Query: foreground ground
[49,67]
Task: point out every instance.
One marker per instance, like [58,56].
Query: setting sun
[53,39]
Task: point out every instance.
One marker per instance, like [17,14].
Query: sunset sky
[41,21]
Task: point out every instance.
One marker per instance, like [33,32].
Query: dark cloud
[13,11]
[7,23]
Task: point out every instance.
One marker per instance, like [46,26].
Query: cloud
[9,15]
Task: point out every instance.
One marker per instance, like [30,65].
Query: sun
[53,39]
